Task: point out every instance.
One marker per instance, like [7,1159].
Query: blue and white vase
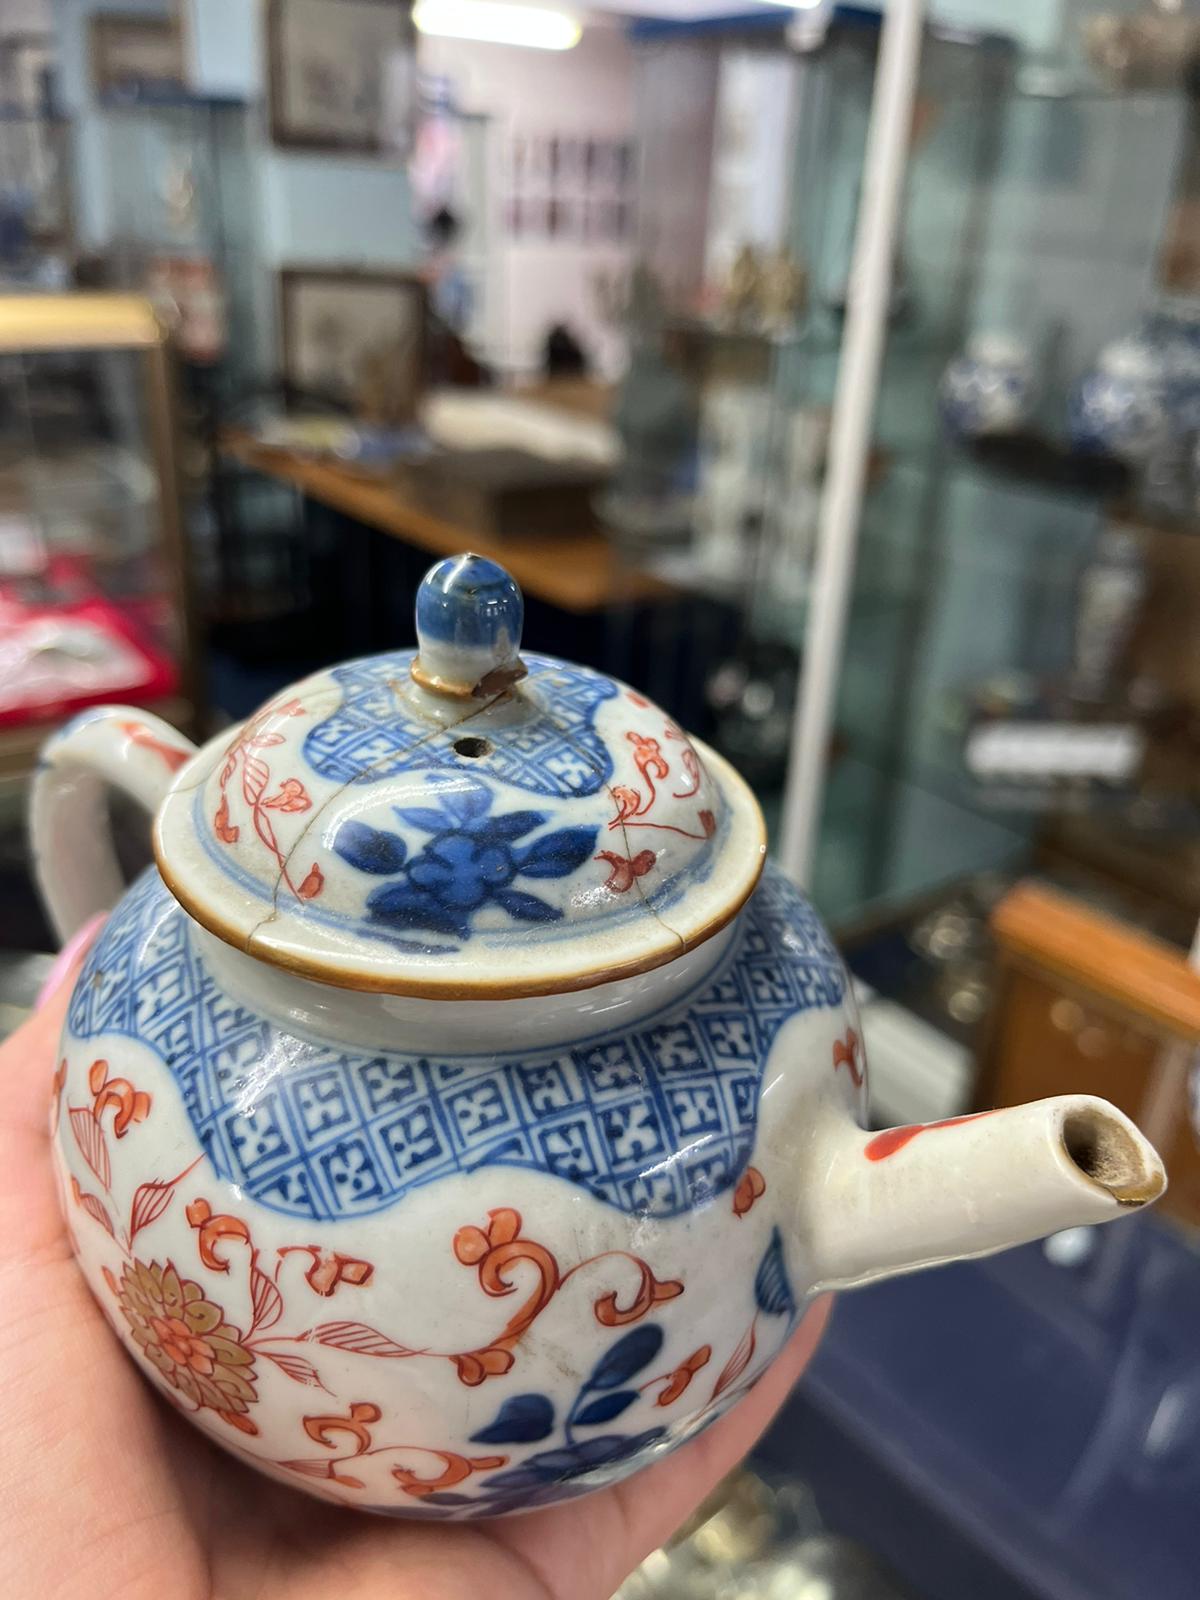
[989,389]
[458,1117]
[1121,408]
[1176,336]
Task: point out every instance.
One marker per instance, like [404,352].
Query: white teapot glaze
[455,1122]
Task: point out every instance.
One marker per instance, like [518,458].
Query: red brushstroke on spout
[887,1143]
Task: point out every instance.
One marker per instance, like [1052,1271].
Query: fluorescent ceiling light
[495,22]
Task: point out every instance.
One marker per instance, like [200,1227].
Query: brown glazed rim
[320,970]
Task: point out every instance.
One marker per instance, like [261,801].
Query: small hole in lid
[472,748]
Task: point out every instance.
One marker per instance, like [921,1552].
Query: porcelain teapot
[461,1114]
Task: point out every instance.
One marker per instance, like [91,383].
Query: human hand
[104,1491]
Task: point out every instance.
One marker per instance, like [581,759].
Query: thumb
[27,1057]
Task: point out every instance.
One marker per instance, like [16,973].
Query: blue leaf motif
[423,817]
[564,1460]
[515,824]
[522,1419]
[526,906]
[469,862]
[464,799]
[556,854]
[558,1466]
[608,1406]
[628,1356]
[401,906]
[516,1478]
[369,849]
[772,1291]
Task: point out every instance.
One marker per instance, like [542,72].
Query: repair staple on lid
[460,820]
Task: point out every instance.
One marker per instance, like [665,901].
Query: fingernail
[67,956]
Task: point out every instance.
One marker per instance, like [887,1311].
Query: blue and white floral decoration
[588,1441]
[471,860]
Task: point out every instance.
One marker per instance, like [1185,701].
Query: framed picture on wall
[340,74]
[135,56]
[354,338]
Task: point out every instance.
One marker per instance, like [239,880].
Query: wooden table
[579,572]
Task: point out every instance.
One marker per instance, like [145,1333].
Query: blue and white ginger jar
[1121,408]
[989,389]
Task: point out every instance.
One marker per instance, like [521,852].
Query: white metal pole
[869,294]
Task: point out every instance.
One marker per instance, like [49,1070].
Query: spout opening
[1112,1155]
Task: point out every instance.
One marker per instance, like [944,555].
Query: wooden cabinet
[1086,1005]
[1055,1040]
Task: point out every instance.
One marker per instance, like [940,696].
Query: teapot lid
[460,821]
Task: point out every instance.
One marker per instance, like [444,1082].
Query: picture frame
[354,338]
[135,56]
[338,72]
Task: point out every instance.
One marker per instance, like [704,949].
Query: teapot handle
[74,858]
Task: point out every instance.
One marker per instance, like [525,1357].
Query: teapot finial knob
[469,615]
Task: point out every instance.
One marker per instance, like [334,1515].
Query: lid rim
[319,969]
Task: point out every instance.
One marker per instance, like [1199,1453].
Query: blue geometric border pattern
[655,1121]
[370,738]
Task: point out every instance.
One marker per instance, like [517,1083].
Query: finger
[27,1057]
[30,1218]
[69,956]
[585,1550]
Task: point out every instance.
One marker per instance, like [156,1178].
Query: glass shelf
[801,336]
[166,97]
[1050,82]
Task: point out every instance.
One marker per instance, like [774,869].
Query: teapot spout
[920,1196]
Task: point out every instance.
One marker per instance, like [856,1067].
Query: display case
[182,220]
[1000,678]
[182,224]
[782,200]
[35,209]
[1006,691]
[35,199]
[95,600]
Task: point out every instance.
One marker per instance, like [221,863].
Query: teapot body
[455,1121]
[449,1260]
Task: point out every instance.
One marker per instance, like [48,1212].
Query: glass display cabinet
[183,224]
[182,220]
[763,352]
[35,199]
[95,601]
[997,682]
[35,209]
[1007,693]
